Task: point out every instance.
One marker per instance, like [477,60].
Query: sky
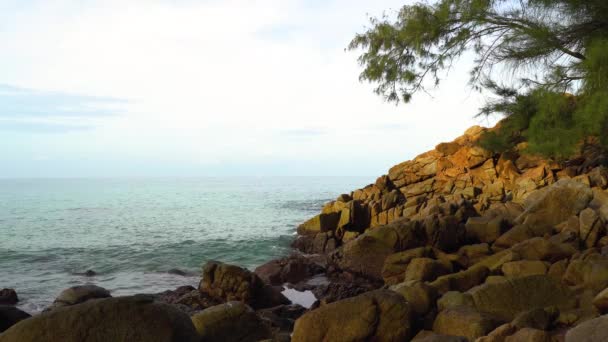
[160,88]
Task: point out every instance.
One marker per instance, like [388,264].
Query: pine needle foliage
[532,54]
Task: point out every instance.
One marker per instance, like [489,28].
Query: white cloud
[215,82]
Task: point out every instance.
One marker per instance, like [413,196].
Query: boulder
[429,336]
[136,318]
[590,271]
[421,296]
[8,297]
[601,301]
[319,224]
[524,268]
[453,299]
[529,335]
[507,299]
[465,321]
[499,334]
[425,269]
[380,315]
[292,269]
[10,315]
[229,322]
[485,228]
[366,254]
[281,318]
[395,265]
[461,281]
[232,283]
[554,204]
[79,294]
[538,318]
[591,227]
[594,330]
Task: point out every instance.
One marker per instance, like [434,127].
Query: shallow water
[132,231]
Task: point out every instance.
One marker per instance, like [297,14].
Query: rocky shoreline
[458,244]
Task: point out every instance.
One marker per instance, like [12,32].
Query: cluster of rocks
[458,244]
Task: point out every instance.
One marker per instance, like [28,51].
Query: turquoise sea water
[132,231]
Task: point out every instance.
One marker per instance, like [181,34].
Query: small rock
[524,268]
[601,301]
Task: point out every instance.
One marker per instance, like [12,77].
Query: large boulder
[556,203]
[594,330]
[136,319]
[230,322]
[380,315]
[465,321]
[366,254]
[321,223]
[10,315]
[232,283]
[506,299]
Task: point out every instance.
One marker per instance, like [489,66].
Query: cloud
[215,82]
[27,110]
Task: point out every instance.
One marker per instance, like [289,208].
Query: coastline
[456,243]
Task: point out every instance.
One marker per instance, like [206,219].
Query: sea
[147,235]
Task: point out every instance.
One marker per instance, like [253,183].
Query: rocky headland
[458,244]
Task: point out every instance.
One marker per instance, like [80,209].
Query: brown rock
[378,315]
[529,335]
[591,227]
[424,269]
[465,321]
[136,318]
[319,224]
[233,283]
[499,334]
[393,270]
[554,204]
[601,301]
[292,269]
[429,336]
[524,268]
[230,322]
[79,294]
[594,330]
[485,228]
[461,281]
[509,298]
[421,296]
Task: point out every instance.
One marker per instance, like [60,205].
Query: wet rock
[232,283]
[79,294]
[9,316]
[281,319]
[230,322]
[380,315]
[292,269]
[177,271]
[136,318]
[8,297]
[188,299]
